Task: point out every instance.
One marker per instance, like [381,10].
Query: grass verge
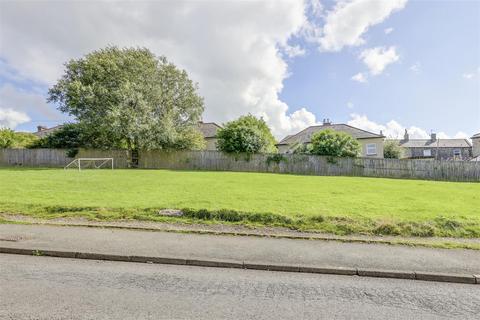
[437,227]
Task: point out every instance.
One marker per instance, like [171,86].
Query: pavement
[43,288]
[452,265]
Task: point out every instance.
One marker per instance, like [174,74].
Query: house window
[427,153]
[371,149]
[457,153]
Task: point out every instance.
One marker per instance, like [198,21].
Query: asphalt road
[56,288]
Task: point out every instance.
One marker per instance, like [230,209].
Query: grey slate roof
[476,136]
[47,131]
[305,135]
[208,129]
[439,143]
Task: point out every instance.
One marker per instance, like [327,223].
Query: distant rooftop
[208,129]
[438,143]
[305,135]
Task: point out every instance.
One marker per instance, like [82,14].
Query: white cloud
[359,77]
[394,130]
[388,30]
[462,135]
[349,20]
[378,58]
[350,105]
[294,51]
[10,118]
[468,76]
[27,102]
[416,68]
[233,49]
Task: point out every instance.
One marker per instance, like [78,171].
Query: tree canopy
[334,143]
[246,134]
[129,98]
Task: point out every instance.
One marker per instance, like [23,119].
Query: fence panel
[289,163]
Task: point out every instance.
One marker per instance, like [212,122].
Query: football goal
[90,163]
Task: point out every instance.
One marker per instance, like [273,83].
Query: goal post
[93,163]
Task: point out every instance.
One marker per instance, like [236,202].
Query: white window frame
[455,152]
[427,152]
[368,151]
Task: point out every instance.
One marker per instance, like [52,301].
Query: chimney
[433,136]
[405,136]
[381,132]
[326,122]
[41,128]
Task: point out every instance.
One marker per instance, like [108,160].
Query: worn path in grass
[452,209]
[329,254]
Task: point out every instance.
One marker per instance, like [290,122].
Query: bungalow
[371,143]
[434,148]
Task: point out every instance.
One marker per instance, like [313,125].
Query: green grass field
[334,204]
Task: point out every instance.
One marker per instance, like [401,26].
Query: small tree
[333,143]
[392,150]
[246,134]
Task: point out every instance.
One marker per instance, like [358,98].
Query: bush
[247,134]
[335,144]
[392,150]
[12,139]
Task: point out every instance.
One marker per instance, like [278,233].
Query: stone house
[209,131]
[434,148]
[476,147]
[371,143]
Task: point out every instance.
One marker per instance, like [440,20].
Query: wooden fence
[289,163]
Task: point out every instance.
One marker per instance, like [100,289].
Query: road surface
[56,288]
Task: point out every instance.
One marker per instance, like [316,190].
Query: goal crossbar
[78,163]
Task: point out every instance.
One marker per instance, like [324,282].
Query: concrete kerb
[438,277]
[424,276]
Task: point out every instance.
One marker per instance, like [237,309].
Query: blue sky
[420,60]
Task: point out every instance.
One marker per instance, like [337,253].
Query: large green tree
[129,98]
[334,143]
[246,134]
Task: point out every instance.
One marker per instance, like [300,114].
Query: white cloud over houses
[350,20]
[395,130]
[234,50]
[10,118]
[378,58]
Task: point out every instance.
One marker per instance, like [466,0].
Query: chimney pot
[41,128]
[433,136]
[405,136]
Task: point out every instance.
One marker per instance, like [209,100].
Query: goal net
[90,163]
